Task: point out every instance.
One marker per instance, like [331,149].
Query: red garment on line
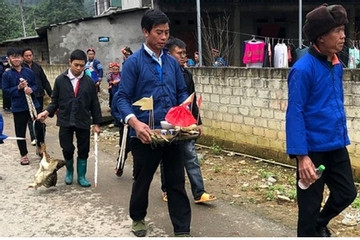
[254,52]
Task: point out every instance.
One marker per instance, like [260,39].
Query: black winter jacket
[41,80]
[75,111]
[190,87]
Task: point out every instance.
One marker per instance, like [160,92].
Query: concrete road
[73,211]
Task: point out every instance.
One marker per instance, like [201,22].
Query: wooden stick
[96,157]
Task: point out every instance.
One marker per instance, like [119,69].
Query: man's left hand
[96,129]
[28,90]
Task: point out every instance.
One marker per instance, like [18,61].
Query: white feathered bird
[47,174]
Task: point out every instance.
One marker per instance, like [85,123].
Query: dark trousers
[111,96]
[6,101]
[20,122]
[146,161]
[66,137]
[339,179]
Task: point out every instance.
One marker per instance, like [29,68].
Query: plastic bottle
[318,172]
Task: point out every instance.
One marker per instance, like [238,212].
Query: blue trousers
[193,170]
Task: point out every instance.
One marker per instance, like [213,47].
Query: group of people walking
[316,129]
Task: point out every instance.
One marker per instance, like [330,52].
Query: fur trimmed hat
[322,19]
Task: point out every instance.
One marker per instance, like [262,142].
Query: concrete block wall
[243,109]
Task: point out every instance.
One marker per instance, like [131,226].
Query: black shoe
[182,235]
[323,232]
[119,171]
[139,228]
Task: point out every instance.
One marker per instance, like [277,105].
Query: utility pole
[22,16]
[300,24]
[198,18]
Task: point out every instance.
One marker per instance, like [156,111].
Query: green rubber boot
[69,171]
[81,171]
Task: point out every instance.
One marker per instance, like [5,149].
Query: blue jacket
[115,113]
[219,62]
[2,136]
[95,68]
[315,117]
[10,82]
[140,78]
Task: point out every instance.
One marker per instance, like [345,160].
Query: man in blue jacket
[17,83]
[316,131]
[150,71]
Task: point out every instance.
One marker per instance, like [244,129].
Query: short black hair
[78,54]
[175,42]
[128,50]
[152,18]
[13,52]
[26,49]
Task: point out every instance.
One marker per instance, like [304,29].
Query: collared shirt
[74,79]
[153,55]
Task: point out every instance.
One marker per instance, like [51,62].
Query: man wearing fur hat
[316,131]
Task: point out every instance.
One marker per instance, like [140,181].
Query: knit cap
[322,19]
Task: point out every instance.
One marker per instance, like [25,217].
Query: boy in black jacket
[75,98]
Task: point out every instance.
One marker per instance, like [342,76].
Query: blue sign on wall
[104,39]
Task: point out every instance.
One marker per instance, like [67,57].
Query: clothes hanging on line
[281,56]
[263,53]
[254,53]
[354,57]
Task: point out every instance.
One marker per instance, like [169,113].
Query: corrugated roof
[20,39]
[42,30]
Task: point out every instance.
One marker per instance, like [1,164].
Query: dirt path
[71,211]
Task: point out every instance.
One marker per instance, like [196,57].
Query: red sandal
[24,160]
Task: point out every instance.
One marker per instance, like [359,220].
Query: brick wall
[243,109]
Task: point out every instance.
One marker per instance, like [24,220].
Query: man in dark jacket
[42,84]
[177,49]
[74,97]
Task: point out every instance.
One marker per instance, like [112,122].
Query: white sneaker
[33,142]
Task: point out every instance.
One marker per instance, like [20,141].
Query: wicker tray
[179,135]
